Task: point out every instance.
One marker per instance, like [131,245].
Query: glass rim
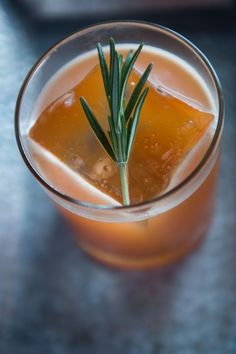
[165,195]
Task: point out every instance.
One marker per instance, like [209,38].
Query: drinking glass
[157,231]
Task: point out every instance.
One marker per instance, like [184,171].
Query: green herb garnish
[123,116]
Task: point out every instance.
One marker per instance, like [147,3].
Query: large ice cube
[168,129]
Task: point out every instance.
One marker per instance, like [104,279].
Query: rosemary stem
[124,182]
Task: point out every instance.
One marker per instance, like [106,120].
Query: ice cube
[168,130]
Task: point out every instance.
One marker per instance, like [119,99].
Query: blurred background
[74,9]
[53,299]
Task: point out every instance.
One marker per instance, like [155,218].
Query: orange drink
[173,163]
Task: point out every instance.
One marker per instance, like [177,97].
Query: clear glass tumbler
[160,230]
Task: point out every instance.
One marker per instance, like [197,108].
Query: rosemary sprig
[124,116]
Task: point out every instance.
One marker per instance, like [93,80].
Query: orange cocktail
[171,202]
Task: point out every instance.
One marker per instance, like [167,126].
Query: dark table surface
[53,299]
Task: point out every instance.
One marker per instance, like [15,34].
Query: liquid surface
[170,126]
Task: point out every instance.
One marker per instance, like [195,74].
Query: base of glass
[139,263]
